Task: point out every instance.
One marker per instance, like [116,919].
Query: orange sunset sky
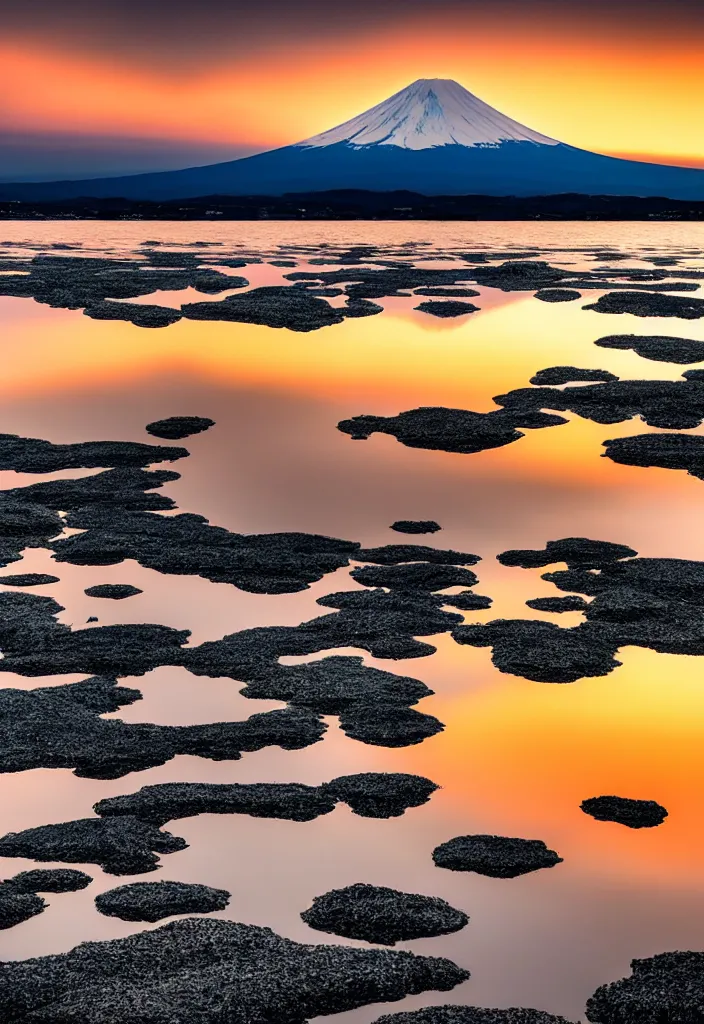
[113,86]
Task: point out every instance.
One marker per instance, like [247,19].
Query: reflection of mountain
[433,137]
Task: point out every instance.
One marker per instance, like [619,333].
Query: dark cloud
[180,32]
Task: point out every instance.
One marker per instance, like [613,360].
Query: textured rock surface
[496,856]
[115,591]
[153,901]
[656,347]
[416,526]
[176,427]
[205,970]
[382,915]
[633,813]
[470,1015]
[664,989]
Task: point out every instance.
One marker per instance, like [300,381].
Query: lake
[517,756]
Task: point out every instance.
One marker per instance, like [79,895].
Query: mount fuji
[433,137]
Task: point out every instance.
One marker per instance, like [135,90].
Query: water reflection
[516,758]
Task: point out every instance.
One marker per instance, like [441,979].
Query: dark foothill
[447,308]
[153,901]
[495,856]
[385,916]
[658,348]
[573,603]
[633,813]
[121,846]
[212,970]
[28,579]
[663,988]
[49,880]
[134,313]
[176,427]
[31,455]
[649,304]
[568,374]
[450,430]
[415,526]
[574,551]
[470,1015]
[115,591]
[557,295]
[449,293]
[371,795]
[274,306]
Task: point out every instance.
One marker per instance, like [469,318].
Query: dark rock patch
[449,293]
[370,794]
[665,451]
[28,579]
[212,970]
[134,313]
[186,544]
[573,603]
[121,846]
[16,907]
[470,1015]
[415,526]
[388,725]
[568,374]
[62,727]
[663,988]
[273,306]
[543,651]
[575,551]
[360,307]
[557,295]
[114,488]
[335,684]
[176,427]
[31,455]
[115,591]
[450,430]
[467,601]
[49,880]
[378,283]
[633,813]
[447,308]
[395,554]
[153,901]
[658,348]
[378,914]
[495,856]
[414,576]
[380,794]
[649,304]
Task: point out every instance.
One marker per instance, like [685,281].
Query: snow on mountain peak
[429,112]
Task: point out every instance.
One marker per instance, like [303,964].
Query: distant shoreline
[360,205]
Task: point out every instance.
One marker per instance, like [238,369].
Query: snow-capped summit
[433,137]
[429,112]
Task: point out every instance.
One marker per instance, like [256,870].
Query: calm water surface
[516,757]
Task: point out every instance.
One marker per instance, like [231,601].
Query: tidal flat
[319,579]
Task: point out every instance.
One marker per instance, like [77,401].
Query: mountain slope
[433,137]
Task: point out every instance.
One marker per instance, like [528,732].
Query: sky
[95,87]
